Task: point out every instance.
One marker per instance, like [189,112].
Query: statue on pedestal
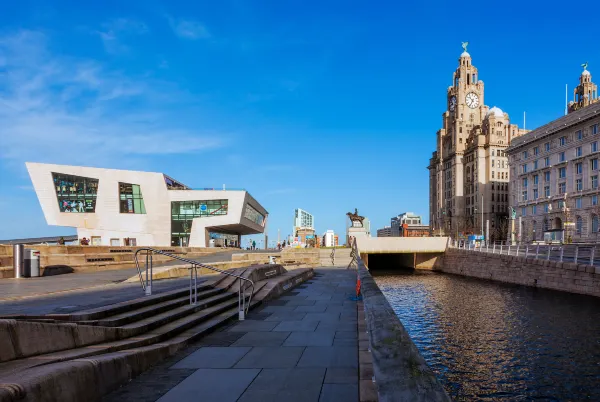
[357,220]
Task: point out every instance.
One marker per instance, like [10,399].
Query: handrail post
[592,256]
[487,246]
[576,253]
[527,251]
[241,304]
[562,251]
[148,284]
[508,252]
[518,246]
[537,251]
[500,248]
[191,274]
[494,248]
[548,256]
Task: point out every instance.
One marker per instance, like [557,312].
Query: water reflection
[491,341]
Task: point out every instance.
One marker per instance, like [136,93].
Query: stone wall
[564,276]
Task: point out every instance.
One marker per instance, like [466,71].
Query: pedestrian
[278,246]
[253,244]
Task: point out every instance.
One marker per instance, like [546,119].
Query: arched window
[579,224]
[594,223]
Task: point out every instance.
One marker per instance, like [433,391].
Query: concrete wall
[371,245]
[565,276]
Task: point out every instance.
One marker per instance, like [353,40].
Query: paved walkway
[300,347]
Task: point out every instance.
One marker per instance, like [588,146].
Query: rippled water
[491,341]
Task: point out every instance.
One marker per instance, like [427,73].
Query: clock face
[452,103]
[472,100]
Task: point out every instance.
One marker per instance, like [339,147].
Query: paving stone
[285,385]
[271,357]
[346,335]
[212,357]
[301,302]
[322,317]
[262,339]
[277,309]
[321,338]
[339,393]
[251,325]
[341,376]
[312,309]
[345,342]
[293,316]
[319,297]
[300,325]
[337,326]
[212,385]
[334,356]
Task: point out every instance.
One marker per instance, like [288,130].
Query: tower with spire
[585,93]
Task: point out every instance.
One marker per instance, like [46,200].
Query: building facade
[126,208]
[386,231]
[408,218]
[468,172]
[554,173]
[329,239]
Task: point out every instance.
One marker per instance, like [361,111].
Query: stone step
[128,317]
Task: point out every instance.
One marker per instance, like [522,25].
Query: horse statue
[355,218]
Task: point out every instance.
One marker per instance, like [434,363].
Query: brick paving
[302,346]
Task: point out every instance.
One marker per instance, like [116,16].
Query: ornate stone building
[554,172]
[468,172]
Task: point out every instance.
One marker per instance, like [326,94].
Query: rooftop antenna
[566,99]
[524,120]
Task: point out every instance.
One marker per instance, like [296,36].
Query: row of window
[562,141]
[561,187]
[547,207]
[561,157]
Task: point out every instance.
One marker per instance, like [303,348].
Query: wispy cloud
[64,110]
[113,31]
[189,29]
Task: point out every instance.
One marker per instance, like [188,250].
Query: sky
[324,106]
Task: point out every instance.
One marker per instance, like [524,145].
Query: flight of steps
[342,257]
[106,346]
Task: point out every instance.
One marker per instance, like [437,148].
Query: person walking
[253,244]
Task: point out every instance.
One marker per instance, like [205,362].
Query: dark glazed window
[75,194]
[183,213]
[130,199]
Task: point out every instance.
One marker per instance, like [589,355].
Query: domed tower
[585,93]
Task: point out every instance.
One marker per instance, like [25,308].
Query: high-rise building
[408,218]
[468,172]
[329,239]
[303,219]
[554,173]
[386,231]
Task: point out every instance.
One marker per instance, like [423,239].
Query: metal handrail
[332,255]
[147,287]
[353,254]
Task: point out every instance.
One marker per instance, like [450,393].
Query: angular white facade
[159,211]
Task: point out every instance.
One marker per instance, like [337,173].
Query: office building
[126,208]
[469,171]
[329,239]
[386,231]
[408,218]
[554,173]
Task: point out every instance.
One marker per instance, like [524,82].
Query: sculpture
[464,45]
[584,65]
[357,220]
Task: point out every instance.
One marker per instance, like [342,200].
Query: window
[536,150]
[546,208]
[525,154]
[546,176]
[562,188]
[547,161]
[562,173]
[594,200]
[523,211]
[255,216]
[492,174]
[594,128]
[579,135]
[535,180]
[493,164]
[561,204]
[524,196]
[579,224]
[525,182]
[579,184]
[535,193]
[578,151]
[535,164]
[524,168]
[594,164]
[594,146]
[579,168]
[547,147]
[533,209]
[594,181]
[578,202]
[561,157]
[594,223]
[546,191]
[183,213]
[562,141]
[75,193]
[130,199]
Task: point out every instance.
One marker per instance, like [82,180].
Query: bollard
[548,256]
[518,246]
[592,256]
[562,250]
[494,249]
[537,251]
[576,253]
[500,248]
[487,247]
[508,252]
[526,251]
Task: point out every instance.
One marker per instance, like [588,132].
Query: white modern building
[329,238]
[302,220]
[121,207]
[408,218]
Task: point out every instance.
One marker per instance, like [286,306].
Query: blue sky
[326,106]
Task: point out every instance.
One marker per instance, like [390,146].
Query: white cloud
[113,31]
[64,110]
[189,29]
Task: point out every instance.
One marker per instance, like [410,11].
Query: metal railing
[579,254]
[243,305]
[332,255]
[354,255]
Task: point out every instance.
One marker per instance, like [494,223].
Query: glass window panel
[75,194]
[131,198]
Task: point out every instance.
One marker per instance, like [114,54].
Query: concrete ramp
[405,252]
